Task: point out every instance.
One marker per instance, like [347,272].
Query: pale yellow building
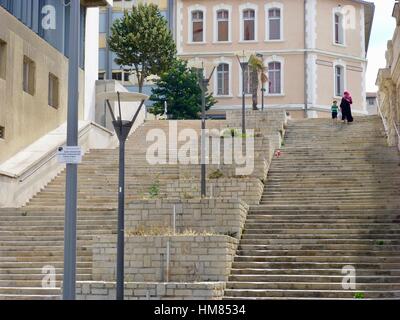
[314,49]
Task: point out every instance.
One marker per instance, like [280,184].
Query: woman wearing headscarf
[345,107]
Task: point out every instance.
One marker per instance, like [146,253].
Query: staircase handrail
[398,134]
[383,118]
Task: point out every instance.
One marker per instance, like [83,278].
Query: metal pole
[121,231]
[243,102]
[262,96]
[69,280]
[204,84]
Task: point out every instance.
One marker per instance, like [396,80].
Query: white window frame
[335,11]
[215,24]
[229,63]
[267,7]
[191,9]
[281,60]
[341,64]
[242,8]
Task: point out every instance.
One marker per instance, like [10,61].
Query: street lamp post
[204,82]
[69,281]
[204,85]
[243,58]
[122,128]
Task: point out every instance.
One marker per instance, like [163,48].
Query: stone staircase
[331,200]
[32,237]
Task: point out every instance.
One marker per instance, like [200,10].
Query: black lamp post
[122,129]
[204,82]
[243,61]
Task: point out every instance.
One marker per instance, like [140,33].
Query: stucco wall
[289,51]
[25,117]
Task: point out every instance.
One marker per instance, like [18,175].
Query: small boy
[335,110]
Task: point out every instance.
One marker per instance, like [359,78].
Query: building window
[117,75]
[249,24]
[3,58]
[371,101]
[53,97]
[197,26]
[339,81]
[29,76]
[102,75]
[274,24]
[275,77]
[126,76]
[339,30]
[223,79]
[223,25]
[2,132]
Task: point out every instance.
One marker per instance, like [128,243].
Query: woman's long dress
[346,110]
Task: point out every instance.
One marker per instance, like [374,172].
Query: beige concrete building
[314,49]
[34,71]
[388,81]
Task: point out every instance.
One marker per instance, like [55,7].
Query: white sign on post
[69,154]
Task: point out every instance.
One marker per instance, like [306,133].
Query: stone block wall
[247,189]
[217,215]
[94,290]
[166,258]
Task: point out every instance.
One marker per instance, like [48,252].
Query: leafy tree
[179,86]
[142,42]
[258,74]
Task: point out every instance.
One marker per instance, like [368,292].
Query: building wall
[388,81]
[312,73]
[27,117]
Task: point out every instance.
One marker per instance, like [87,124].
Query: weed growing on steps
[359,295]
[166,231]
[380,242]
[154,190]
[217,174]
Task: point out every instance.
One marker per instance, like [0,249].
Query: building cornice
[272,52]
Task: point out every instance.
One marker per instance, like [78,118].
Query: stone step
[281,241]
[320,259]
[379,265]
[304,253]
[310,286]
[22,273]
[17,296]
[373,247]
[335,294]
[314,272]
[337,279]
[37,291]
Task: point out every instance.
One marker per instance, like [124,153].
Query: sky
[382,31]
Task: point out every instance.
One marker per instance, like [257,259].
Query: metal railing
[398,134]
[383,119]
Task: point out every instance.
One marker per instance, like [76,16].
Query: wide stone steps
[330,200]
